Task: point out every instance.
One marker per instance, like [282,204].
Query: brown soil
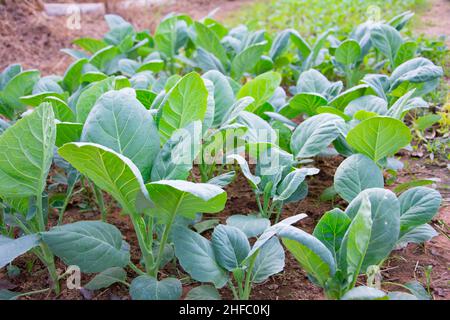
[435,20]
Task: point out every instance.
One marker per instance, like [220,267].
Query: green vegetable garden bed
[206,162]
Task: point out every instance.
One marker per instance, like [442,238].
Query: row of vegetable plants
[136,111]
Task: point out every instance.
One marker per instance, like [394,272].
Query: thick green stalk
[100,202]
[140,233]
[66,203]
[248,284]
[162,244]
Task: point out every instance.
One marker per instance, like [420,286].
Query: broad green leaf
[208,40]
[315,134]
[120,122]
[230,246]
[348,52]
[379,137]
[418,290]
[196,255]
[90,45]
[307,103]
[270,261]
[223,95]
[312,254]
[386,39]
[12,248]
[177,197]
[61,109]
[411,184]
[291,183]
[252,225]
[258,130]
[261,88]
[111,171]
[331,228]
[185,103]
[343,99]
[312,81]
[68,132]
[427,121]
[203,292]
[94,246]
[8,295]
[106,278]
[8,73]
[364,293]
[405,52]
[148,288]
[254,180]
[20,85]
[103,59]
[26,153]
[171,34]
[89,97]
[223,180]
[418,206]
[417,235]
[246,60]
[355,174]
[356,241]
[385,223]
[280,44]
[367,103]
[175,160]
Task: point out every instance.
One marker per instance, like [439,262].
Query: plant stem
[280,209]
[136,269]
[162,244]
[233,290]
[100,202]
[31,293]
[258,201]
[146,252]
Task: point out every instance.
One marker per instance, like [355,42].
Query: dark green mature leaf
[185,198]
[368,103]
[111,171]
[307,103]
[223,95]
[106,278]
[379,137]
[385,223]
[204,292]
[12,248]
[252,225]
[208,40]
[331,228]
[230,246]
[365,293]
[312,254]
[94,246]
[186,102]
[89,97]
[418,206]
[261,88]
[148,288]
[26,152]
[348,52]
[171,34]
[418,235]
[270,261]
[355,174]
[315,134]
[196,255]
[120,122]
[386,39]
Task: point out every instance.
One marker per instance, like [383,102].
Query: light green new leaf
[26,153]
[196,255]
[185,103]
[315,134]
[355,174]
[379,137]
[61,109]
[148,288]
[208,40]
[94,246]
[111,171]
[120,122]
[355,243]
[385,223]
[307,103]
[348,52]
[386,39]
[185,198]
[67,132]
[72,76]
